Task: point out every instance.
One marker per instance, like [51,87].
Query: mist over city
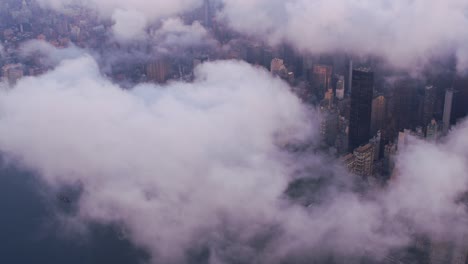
[234,131]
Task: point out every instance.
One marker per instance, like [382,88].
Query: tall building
[349,162]
[376,142]
[350,76]
[390,151]
[278,68]
[158,71]
[440,252]
[12,73]
[364,160]
[378,114]
[404,112]
[403,138]
[460,250]
[460,107]
[361,108]
[447,110]
[432,131]
[207,14]
[344,106]
[329,125]
[428,104]
[328,99]
[321,79]
[341,143]
[450,251]
[340,87]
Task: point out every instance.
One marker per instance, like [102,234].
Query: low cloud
[202,165]
[398,30]
[406,33]
[130,17]
[174,35]
[50,55]
[129,25]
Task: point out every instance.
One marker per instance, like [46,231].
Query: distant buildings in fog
[12,73]
[158,71]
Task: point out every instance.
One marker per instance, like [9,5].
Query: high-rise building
[364,160]
[12,73]
[403,138]
[389,158]
[432,131]
[340,87]
[321,79]
[328,99]
[350,76]
[278,68]
[207,14]
[460,250]
[361,108]
[329,125]
[378,114]
[158,71]
[450,251]
[447,110]
[428,104]
[341,143]
[440,252]
[460,107]
[349,162]
[376,142]
[344,106]
[404,112]
[419,133]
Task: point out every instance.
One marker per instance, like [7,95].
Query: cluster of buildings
[365,121]
[26,20]
[366,125]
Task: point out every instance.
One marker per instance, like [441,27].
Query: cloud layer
[131,17]
[406,33]
[169,162]
[201,165]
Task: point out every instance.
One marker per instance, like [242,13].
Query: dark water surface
[29,233]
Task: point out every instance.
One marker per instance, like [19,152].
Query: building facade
[361,108]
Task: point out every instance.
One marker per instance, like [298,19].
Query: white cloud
[404,32]
[130,17]
[175,32]
[51,56]
[167,161]
[129,25]
[192,164]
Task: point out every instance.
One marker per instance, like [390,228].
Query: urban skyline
[224,131]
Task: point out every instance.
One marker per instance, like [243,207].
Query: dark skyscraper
[460,107]
[350,77]
[321,79]
[447,110]
[361,107]
[404,111]
[207,14]
[428,105]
